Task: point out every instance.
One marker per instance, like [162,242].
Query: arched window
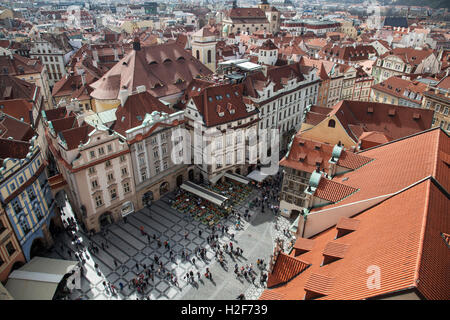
[331,123]
[198,55]
[209,56]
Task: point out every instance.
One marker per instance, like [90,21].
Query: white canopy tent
[257,175]
[203,193]
[237,177]
[38,279]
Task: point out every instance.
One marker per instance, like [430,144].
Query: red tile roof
[158,67]
[286,267]
[400,125]
[400,236]
[333,191]
[222,98]
[133,112]
[76,136]
[352,160]
[17,108]
[303,147]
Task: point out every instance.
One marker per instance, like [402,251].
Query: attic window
[210,99]
[124,63]
[167,60]
[139,118]
[370,110]
[123,119]
[303,245]
[301,142]
[391,112]
[152,63]
[193,88]
[416,116]
[346,226]
[181,58]
[236,93]
[178,81]
[334,251]
[331,123]
[317,147]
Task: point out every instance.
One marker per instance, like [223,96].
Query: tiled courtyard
[125,244]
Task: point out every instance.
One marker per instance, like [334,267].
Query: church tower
[264,5]
[204,47]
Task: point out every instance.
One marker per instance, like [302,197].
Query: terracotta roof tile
[333,191]
[352,160]
[303,245]
[319,283]
[156,66]
[335,249]
[349,224]
[302,147]
[400,235]
[286,267]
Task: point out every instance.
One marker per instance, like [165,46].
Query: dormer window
[331,123]
[334,251]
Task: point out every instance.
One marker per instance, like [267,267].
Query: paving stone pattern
[125,245]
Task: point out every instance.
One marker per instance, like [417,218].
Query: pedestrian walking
[193,261]
[200,233]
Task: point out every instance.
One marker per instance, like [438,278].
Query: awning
[216,178]
[38,279]
[204,193]
[237,177]
[257,176]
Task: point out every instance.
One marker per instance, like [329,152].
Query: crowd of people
[267,198]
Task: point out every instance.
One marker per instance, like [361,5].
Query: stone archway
[38,248]
[179,180]
[191,175]
[238,170]
[105,219]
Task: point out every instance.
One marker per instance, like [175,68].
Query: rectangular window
[140,147]
[98,201]
[154,140]
[113,193]
[10,248]
[91,170]
[141,160]
[2,227]
[144,174]
[122,158]
[92,154]
[101,151]
[31,194]
[165,165]
[155,153]
[126,187]
[108,163]
[110,177]
[109,148]
[16,206]
[164,150]
[124,171]
[94,184]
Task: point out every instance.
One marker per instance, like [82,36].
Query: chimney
[123,96]
[83,76]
